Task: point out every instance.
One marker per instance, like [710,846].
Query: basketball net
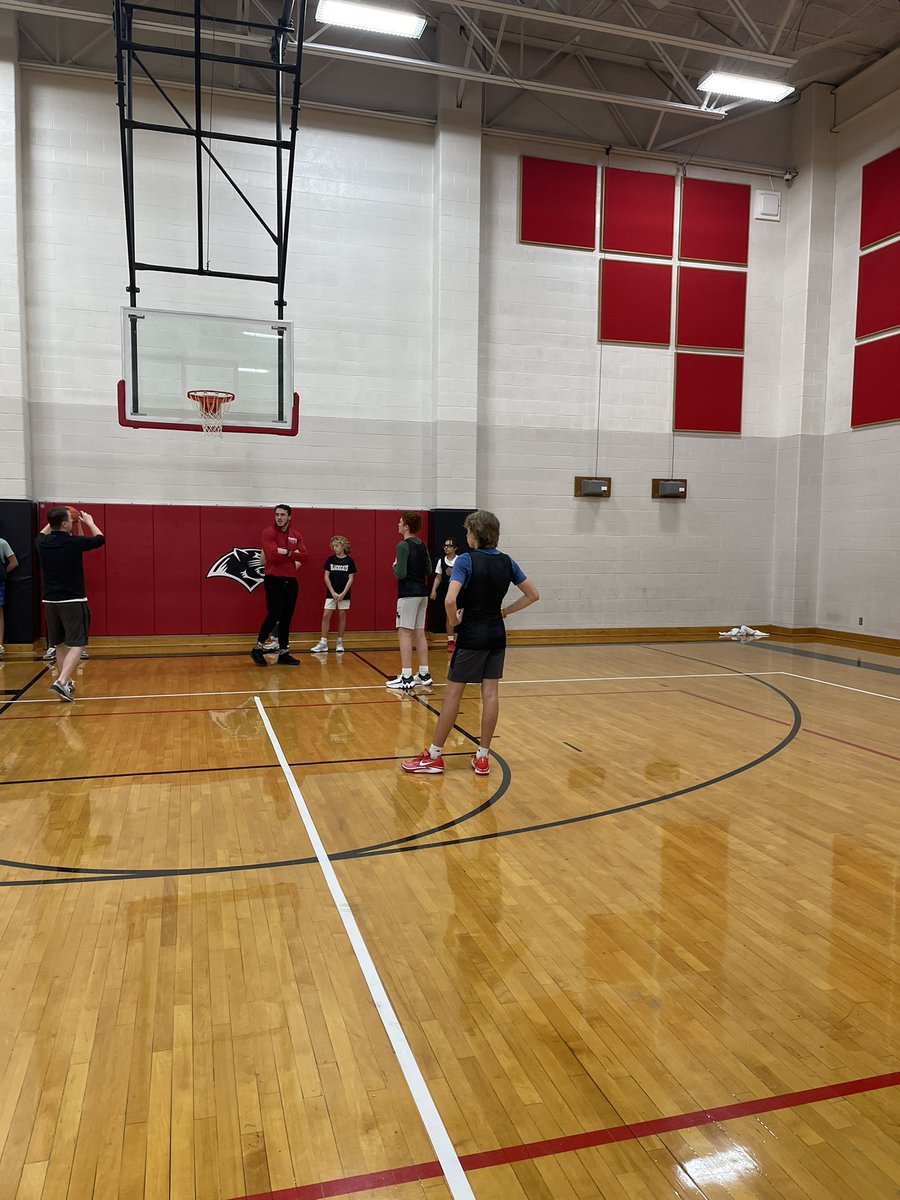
[211,407]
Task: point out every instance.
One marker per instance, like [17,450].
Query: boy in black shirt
[339,572]
[412,567]
[65,600]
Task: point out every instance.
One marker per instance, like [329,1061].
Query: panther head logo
[243,565]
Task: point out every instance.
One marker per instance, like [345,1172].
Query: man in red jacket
[283,551]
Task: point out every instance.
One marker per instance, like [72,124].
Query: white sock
[423,669]
[406,672]
[482,752]
[435,751]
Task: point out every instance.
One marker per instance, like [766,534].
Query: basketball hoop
[211,407]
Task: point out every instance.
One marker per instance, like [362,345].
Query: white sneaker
[50,655]
[321,647]
[270,646]
[339,648]
[2,651]
[401,683]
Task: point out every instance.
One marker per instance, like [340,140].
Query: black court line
[571,747]
[403,845]
[22,690]
[310,762]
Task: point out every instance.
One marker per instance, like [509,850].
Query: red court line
[812,732]
[528,1151]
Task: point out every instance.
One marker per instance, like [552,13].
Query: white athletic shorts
[331,604]
[411,612]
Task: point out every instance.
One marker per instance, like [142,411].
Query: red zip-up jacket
[275,539]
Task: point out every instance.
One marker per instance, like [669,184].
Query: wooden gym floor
[653,955]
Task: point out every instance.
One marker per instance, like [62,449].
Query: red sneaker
[424,764]
[481,766]
[451,646]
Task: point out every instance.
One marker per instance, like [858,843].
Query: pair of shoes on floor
[258,654]
[424,764]
[321,647]
[407,683]
[65,691]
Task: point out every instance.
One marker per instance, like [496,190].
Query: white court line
[844,687]
[454,1174]
[379,687]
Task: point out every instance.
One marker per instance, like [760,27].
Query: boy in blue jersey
[478,584]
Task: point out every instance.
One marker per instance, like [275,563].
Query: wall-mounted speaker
[669,489]
[592,485]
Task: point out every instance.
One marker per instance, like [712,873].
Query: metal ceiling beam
[525,13]
[370,58]
[520,11]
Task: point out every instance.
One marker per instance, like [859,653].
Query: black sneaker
[258,657]
[286,660]
[423,680]
[65,691]
[401,683]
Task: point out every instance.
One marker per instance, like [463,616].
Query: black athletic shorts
[68,622]
[474,666]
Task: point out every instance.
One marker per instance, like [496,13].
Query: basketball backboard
[165,355]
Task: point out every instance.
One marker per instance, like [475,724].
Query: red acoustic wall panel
[130,570]
[558,202]
[358,525]
[708,393]
[876,370]
[178,572]
[317,527]
[880,210]
[715,221]
[635,302]
[711,308]
[638,212]
[228,606]
[878,290]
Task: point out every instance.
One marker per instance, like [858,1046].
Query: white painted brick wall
[392,389]
[15,455]
[859,569]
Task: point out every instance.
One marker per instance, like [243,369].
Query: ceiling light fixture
[370,17]
[744,86]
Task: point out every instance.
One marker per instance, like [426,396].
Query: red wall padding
[711,308]
[708,391]
[715,221]
[176,558]
[130,570]
[558,202]
[880,212]
[878,290]
[876,370]
[638,212]
[151,576]
[635,302]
